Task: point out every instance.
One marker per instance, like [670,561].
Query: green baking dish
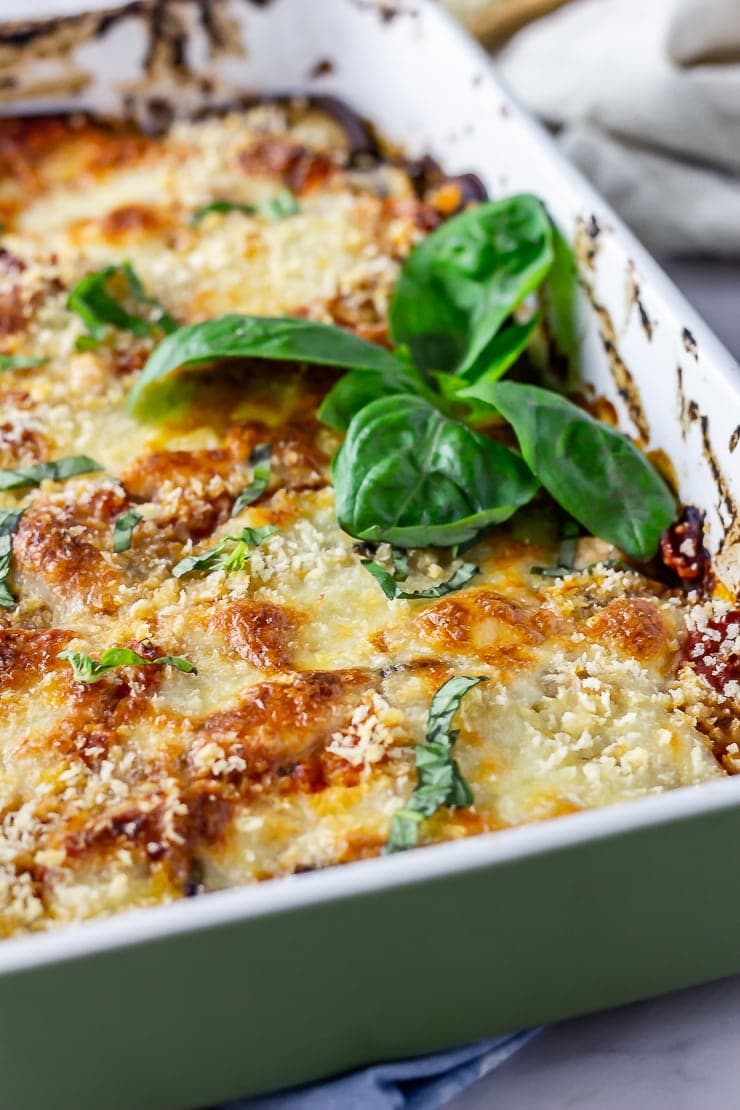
[249,990]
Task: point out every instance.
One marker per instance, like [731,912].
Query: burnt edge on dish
[165,67]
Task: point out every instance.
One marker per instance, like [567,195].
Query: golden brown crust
[25,655]
[258,631]
[277,723]
[635,626]
[57,546]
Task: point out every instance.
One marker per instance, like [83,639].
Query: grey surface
[680,1052]
[674,1053]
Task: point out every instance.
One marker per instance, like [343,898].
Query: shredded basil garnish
[123,530]
[55,471]
[9,520]
[439,781]
[232,553]
[591,568]
[260,459]
[87,669]
[221,206]
[91,299]
[278,207]
[390,587]
[20,362]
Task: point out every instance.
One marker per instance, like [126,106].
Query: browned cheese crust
[292,747]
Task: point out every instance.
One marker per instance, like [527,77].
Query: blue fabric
[422,1084]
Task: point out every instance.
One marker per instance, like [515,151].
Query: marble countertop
[679,1052]
[674,1053]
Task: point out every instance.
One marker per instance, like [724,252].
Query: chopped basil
[439,781]
[55,471]
[552,572]
[92,301]
[260,460]
[563,572]
[400,560]
[390,587]
[20,362]
[87,669]
[277,207]
[123,530]
[232,553]
[219,206]
[9,520]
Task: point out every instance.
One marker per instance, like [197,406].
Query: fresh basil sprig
[260,459]
[439,781]
[594,472]
[389,584]
[87,669]
[54,471]
[231,554]
[9,521]
[123,530]
[91,299]
[412,470]
[20,362]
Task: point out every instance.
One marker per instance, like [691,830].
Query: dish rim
[156,923]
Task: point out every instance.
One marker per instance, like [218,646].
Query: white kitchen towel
[645,95]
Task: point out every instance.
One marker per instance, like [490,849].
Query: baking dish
[251,989]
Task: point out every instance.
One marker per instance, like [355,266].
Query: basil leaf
[232,553]
[282,339]
[123,530]
[360,387]
[389,582]
[9,521]
[221,206]
[20,362]
[260,461]
[55,471]
[178,662]
[438,777]
[409,475]
[400,560]
[87,669]
[563,572]
[460,283]
[92,301]
[279,207]
[594,472]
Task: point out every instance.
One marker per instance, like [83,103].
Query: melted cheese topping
[293,745]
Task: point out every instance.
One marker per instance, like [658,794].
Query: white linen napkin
[646,96]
